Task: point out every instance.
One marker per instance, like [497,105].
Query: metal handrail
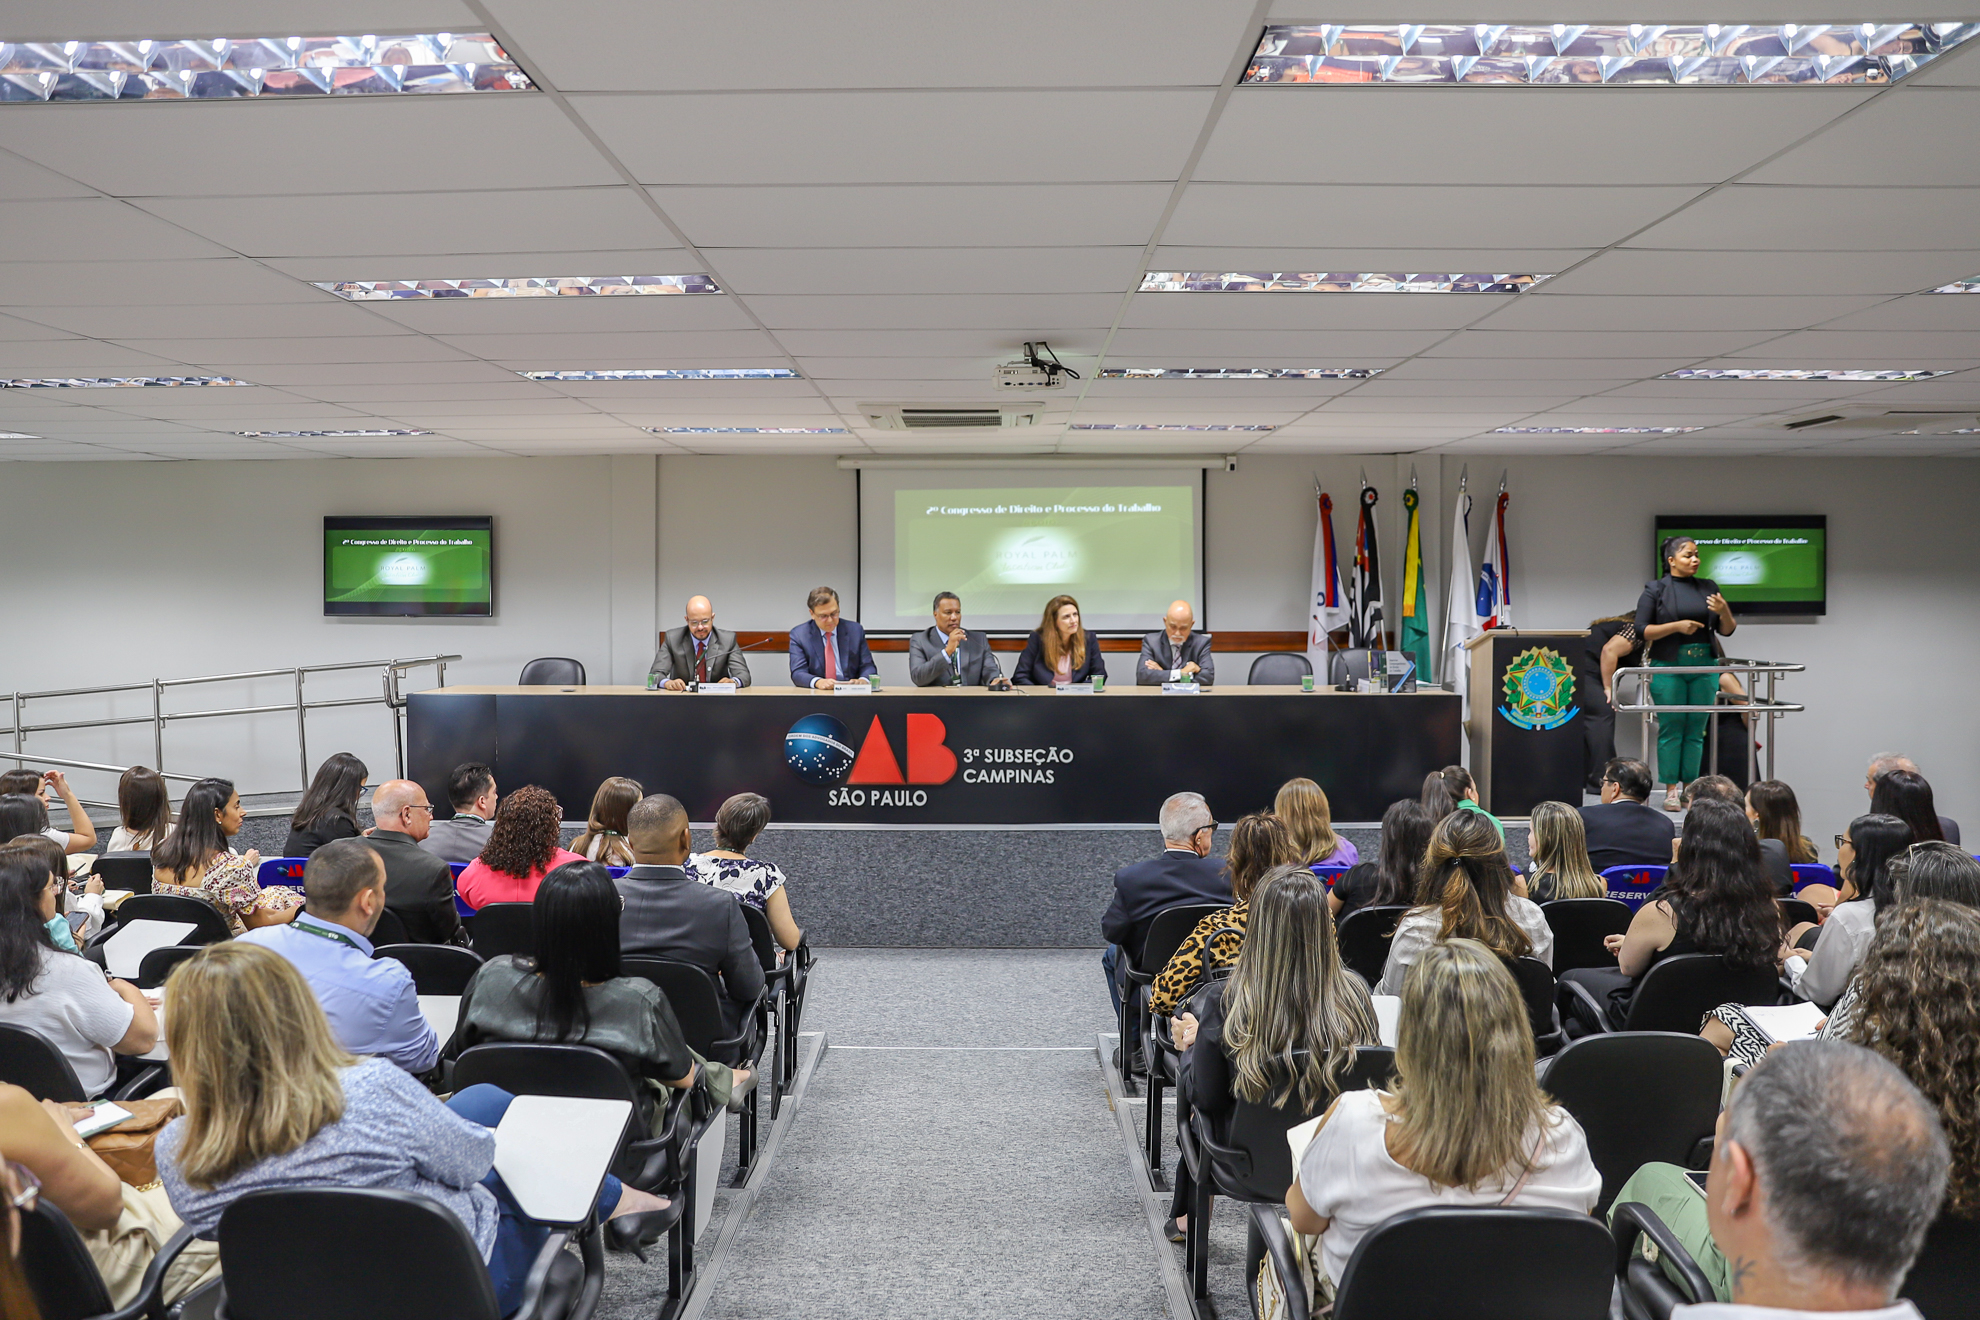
[1754,705]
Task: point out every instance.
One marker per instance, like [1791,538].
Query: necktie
[831,658]
[955,667]
[701,662]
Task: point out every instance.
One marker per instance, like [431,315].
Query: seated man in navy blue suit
[829,650]
[1184,873]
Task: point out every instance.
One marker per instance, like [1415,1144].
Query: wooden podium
[1526,738]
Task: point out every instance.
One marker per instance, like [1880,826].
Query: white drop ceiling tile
[195,321]
[625,45]
[1309,311]
[666,258]
[1449,412]
[93,229]
[422,449]
[1160,394]
[630,349]
[1687,311]
[976,371]
[594,314]
[1907,114]
[129,152]
[245,354]
[616,394]
[16,329]
[1679,271]
[991,346]
[1230,214]
[1851,220]
[1914,348]
[1958,69]
[224,280]
[1755,395]
[1672,139]
[55,20]
[762,444]
[921,136]
[1387,444]
[1591,373]
[1497,390]
[1945,391]
[733,412]
[450,223]
[22,180]
[84,357]
[1026,316]
[1544,261]
[499,412]
[751,271]
[94,422]
[1593,344]
[960,391]
[1268,348]
[1198,414]
[393,395]
[383,373]
[924,215]
[1920,312]
[1531,445]
[270,414]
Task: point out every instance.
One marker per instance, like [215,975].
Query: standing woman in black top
[1672,613]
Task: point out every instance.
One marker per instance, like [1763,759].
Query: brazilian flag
[1416,604]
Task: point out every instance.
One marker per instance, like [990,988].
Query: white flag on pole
[1461,622]
[1327,610]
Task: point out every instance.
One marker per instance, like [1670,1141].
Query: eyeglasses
[1212,827]
[427,807]
[1842,840]
[30,1193]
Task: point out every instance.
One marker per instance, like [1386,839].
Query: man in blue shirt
[371,1003]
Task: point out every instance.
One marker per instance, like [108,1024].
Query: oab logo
[820,750]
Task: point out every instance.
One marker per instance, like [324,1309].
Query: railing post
[302,731]
[158,725]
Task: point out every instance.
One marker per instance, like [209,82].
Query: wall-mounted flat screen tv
[409,566]
[1764,565]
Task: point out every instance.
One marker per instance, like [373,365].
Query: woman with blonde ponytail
[1464,890]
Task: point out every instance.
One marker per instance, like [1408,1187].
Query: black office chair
[1946,1276]
[1164,1062]
[1676,994]
[30,1061]
[124,870]
[1640,1096]
[437,969]
[64,1279]
[391,929]
[418,1261]
[1579,926]
[503,928]
[158,964]
[1279,669]
[1794,911]
[786,984]
[1364,937]
[1536,986]
[1165,934]
[1352,663]
[697,1003]
[1645,1287]
[209,927]
[552,671]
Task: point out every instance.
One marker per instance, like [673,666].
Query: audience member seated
[67,933]
[1391,879]
[604,837]
[1622,830]
[1559,846]
[1059,651]
[1716,788]
[22,814]
[1184,874]
[81,834]
[1906,795]
[1302,805]
[738,822]
[418,886]
[370,1002]
[1828,1169]
[571,991]
[1259,842]
[329,810]
[196,861]
[1885,763]
[1464,1125]
[1464,890]
[61,995]
[471,793]
[1290,1000]
[1822,958]
[144,809]
[272,1104]
[1716,898]
[521,850]
[1776,817]
[1453,789]
[668,915]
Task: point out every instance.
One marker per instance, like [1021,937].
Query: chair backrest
[1946,1275]
[1351,663]
[691,993]
[1259,1130]
[158,964]
[1579,925]
[540,1068]
[1677,993]
[329,1254]
[1279,669]
[760,937]
[1639,1096]
[209,927]
[1536,986]
[30,1061]
[1814,873]
[1446,1263]
[1167,931]
[60,1271]
[437,969]
[552,671]
[124,870]
[503,928]
[1364,938]
[281,871]
[1634,884]
[391,929]
[1794,911]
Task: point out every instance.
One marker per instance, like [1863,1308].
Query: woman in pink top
[521,850]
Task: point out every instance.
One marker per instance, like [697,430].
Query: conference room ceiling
[895,196]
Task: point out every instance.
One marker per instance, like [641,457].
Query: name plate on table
[852,689]
[717,690]
[1182,689]
[1075,690]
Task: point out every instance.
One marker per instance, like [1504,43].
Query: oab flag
[1365,583]
[1461,622]
[1495,573]
[1328,610]
[1415,604]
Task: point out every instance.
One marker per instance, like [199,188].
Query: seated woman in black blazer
[1060,651]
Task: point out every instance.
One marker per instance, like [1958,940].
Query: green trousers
[1680,1203]
[1681,737]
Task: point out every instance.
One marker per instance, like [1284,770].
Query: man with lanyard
[460,839]
[371,1003]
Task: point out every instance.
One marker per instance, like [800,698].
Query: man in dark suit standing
[1622,830]
[699,652]
[1184,873]
[1176,654]
[829,650]
[668,915]
[946,656]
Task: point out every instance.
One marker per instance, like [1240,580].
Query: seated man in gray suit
[700,652]
[946,656]
[1176,654]
[669,915]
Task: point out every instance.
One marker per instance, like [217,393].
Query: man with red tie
[699,652]
[827,650]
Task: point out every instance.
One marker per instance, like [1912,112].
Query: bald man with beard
[698,652]
[419,887]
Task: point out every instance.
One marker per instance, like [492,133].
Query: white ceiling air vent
[949,416]
[1845,422]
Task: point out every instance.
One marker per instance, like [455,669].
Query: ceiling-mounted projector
[1038,369]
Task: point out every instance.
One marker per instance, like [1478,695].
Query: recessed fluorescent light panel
[1239,373]
[225,68]
[553,287]
[325,435]
[1960,286]
[1153,426]
[112,382]
[1965,430]
[744,430]
[1205,281]
[694,373]
[1802,374]
[1595,55]
[1596,430]
[17,435]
